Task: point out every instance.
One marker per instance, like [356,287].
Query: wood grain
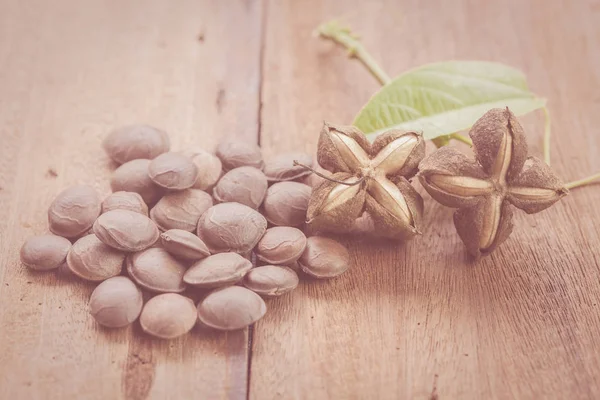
[420,321]
[69,72]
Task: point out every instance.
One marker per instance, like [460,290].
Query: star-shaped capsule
[483,190]
[372,177]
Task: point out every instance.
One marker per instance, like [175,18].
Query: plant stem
[546,135]
[356,182]
[462,138]
[333,30]
[583,182]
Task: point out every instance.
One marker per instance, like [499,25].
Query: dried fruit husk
[181,210]
[336,154]
[397,153]
[231,227]
[231,308]
[282,168]
[271,280]
[244,185]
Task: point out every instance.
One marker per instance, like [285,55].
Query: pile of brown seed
[186,222]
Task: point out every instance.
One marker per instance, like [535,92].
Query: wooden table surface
[413,321]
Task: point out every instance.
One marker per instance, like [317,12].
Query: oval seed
[44,252]
[173,171]
[116,302]
[125,201]
[217,270]
[133,177]
[281,245]
[181,210]
[92,260]
[184,244]
[209,168]
[281,167]
[271,280]
[231,308]
[286,203]
[235,153]
[156,270]
[126,230]
[73,211]
[168,316]
[231,227]
[244,185]
[324,258]
[134,142]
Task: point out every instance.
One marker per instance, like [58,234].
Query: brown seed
[125,201]
[286,203]
[218,270]
[133,177]
[134,142]
[181,210]
[209,168]
[173,171]
[156,270]
[281,245]
[44,252]
[324,258]
[184,244]
[231,227]
[271,280]
[92,260]
[116,302]
[168,316]
[73,211]
[244,185]
[126,230]
[235,153]
[231,308]
[281,167]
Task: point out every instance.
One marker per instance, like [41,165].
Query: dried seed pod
[271,280]
[209,168]
[281,167]
[44,252]
[231,308]
[218,270]
[342,148]
[134,142]
[92,260]
[125,201]
[73,211]
[281,245]
[324,258]
[482,191]
[335,206]
[168,316]
[116,302]
[286,203]
[156,270]
[231,227]
[244,185]
[126,230]
[397,153]
[173,171]
[181,210]
[235,153]
[184,244]
[133,177]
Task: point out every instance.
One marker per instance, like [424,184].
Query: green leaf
[442,98]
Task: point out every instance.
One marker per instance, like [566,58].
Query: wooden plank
[69,72]
[418,320]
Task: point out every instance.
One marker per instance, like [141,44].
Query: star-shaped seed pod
[368,176]
[483,190]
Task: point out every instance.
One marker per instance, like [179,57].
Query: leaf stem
[342,35]
[358,181]
[547,127]
[583,182]
[462,138]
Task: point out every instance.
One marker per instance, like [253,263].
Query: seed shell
[231,308]
[168,316]
[44,252]
[126,230]
[116,302]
